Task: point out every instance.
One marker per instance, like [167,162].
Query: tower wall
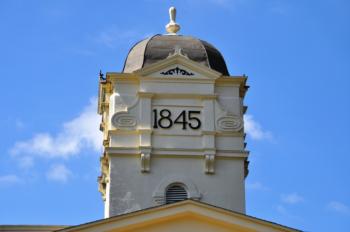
[161,129]
[132,190]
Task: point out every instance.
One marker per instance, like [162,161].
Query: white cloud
[76,134]
[59,172]
[113,37]
[25,162]
[281,209]
[338,207]
[256,186]
[9,179]
[292,198]
[254,129]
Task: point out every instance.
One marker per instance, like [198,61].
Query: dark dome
[159,47]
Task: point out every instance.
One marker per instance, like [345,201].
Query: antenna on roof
[102,78]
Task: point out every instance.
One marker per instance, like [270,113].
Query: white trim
[178,59]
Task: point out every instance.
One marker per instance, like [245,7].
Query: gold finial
[172,27]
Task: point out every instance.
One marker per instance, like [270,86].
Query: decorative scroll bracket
[209,163]
[177,71]
[124,121]
[230,122]
[145,161]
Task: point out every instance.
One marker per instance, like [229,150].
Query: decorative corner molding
[145,162]
[209,163]
[178,71]
[104,178]
[145,94]
[105,142]
[230,123]
[246,167]
[102,186]
[102,126]
[104,165]
[124,121]
[178,51]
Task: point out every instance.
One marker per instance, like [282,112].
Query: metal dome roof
[159,47]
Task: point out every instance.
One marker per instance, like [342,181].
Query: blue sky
[297,57]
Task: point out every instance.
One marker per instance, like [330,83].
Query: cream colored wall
[132,190]
[141,157]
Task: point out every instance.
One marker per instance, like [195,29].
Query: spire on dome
[172,27]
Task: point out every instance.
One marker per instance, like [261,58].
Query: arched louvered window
[175,193]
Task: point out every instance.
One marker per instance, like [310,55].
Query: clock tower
[173,127]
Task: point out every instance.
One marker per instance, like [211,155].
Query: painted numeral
[164,120]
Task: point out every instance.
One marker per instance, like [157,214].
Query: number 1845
[163,119]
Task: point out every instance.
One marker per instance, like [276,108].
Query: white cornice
[174,152]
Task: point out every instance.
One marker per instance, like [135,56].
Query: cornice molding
[175,152]
[160,133]
[178,59]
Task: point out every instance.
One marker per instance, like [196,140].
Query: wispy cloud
[25,162]
[281,209]
[83,52]
[114,36]
[59,173]
[76,134]
[254,129]
[19,124]
[287,213]
[220,2]
[288,200]
[292,198]
[227,4]
[9,179]
[338,207]
[279,7]
[256,186]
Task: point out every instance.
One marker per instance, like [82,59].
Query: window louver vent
[175,193]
